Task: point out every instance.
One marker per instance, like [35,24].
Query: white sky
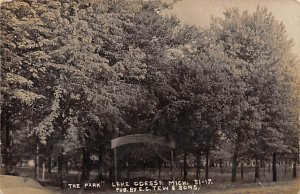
[199,12]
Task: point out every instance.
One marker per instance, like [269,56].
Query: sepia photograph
[150,96]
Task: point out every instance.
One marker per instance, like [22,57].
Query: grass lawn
[289,187]
[19,185]
[222,184]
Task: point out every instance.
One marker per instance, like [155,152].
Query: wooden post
[116,164]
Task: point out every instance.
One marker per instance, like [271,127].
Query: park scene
[132,96]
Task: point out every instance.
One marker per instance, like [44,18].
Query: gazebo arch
[145,139]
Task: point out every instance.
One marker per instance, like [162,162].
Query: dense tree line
[76,74]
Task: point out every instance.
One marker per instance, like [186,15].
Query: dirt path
[19,185]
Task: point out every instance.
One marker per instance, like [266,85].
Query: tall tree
[259,47]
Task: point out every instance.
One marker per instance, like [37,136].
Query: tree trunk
[285,163]
[100,167]
[206,165]
[110,173]
[49,159]
[8,142]
[221,166]
[234,165]
[37,166]
[71,166]
[181,170]
[198,166]
[59,164]
[83,165]
[295,168]
[85,173]
[159,168]
[63,170]
[67,164]
[111,167]
[256,174]
[274,170]
[185,166]
[242,170]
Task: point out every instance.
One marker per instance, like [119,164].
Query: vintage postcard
[150,96]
